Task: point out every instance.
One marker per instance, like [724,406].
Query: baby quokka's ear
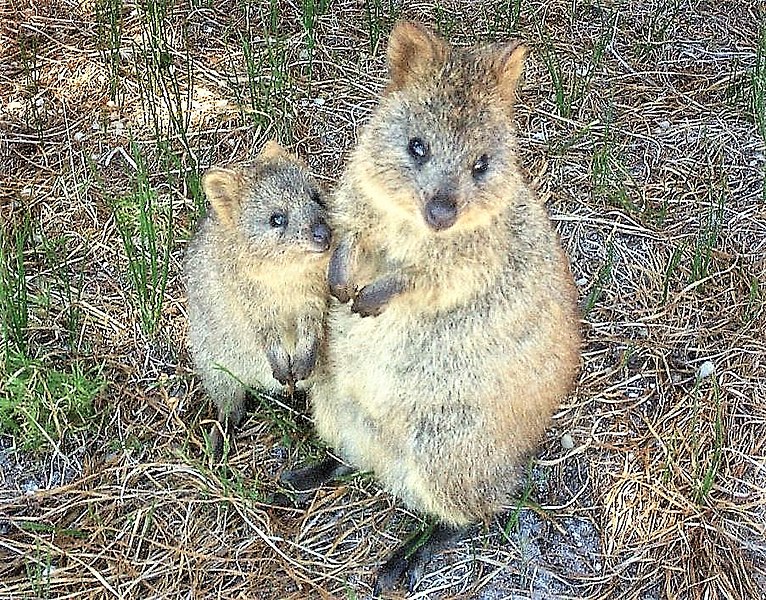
[222,187]
[508,65]
[272,149]
[413,52]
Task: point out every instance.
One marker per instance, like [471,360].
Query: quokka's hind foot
[408,561]
[307,479]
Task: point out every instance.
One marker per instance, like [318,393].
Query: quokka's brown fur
[255,276]
[471,335]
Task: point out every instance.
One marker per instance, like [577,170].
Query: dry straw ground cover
[642,123]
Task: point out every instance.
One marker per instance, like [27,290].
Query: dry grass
[652,166]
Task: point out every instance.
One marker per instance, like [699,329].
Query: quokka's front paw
[368,303]
[373,298]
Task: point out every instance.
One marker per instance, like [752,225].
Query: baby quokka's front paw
[281,366]
[338,276]
[305,358]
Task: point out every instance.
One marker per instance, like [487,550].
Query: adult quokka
[457,332]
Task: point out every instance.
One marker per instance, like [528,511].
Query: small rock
[30,487]
[705,370]
[567,442]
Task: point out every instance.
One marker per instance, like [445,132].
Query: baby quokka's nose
[321,236]
[441,212]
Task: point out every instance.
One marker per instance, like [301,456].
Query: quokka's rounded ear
[509,65]
[414,51]
[222,188]
[272,149]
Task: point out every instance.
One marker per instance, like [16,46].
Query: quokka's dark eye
[480,166]
[278,220]
[418,149]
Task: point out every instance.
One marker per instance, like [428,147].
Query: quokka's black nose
[321,235]
[441,212]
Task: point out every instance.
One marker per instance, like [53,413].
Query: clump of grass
[673,263]
[571,81]
[38,568]
[158,73]
[758,100]
[146,230]
[708,461]
[759,92]
[603,277]
[503,17]
[662,18]
[268,78]
[608,174]
[14,295]
[707,235]
[28,52]
[109,27]
[698,251]
[267,89]
[756,300]
[66,285]
[512,523]
[695,450]
[41,403]
[310,10]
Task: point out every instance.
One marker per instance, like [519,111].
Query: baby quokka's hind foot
[308,479]
[220,433]
[229,416]
[409,560]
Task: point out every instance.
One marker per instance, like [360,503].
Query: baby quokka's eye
[480,167]
[418,150]
[278,220]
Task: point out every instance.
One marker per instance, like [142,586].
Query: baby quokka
[255,276]
[457,332]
